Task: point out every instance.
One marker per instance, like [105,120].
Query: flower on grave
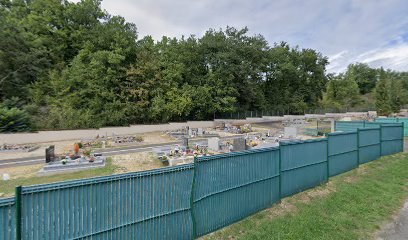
[76,148]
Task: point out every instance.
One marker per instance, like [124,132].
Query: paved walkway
[398,228]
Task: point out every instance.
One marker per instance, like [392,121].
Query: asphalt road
[105,152]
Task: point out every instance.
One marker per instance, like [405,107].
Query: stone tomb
[72,165]
[214,144]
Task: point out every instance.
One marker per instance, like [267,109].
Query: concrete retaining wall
[52,136]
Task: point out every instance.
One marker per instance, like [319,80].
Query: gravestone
[184,142]
[186,130]
[214,143]
[290,132]
[190,132]
[199,131]
[50,154]
[239,144]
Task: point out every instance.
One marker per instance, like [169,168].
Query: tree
[363,75]
[294,79]
[341,93]
[382,97]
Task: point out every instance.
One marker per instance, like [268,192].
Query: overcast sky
[369,31]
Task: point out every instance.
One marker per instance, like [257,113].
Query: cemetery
[177,146]
[188,132]
[79,158]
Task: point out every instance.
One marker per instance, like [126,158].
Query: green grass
[351,206]
[8,187]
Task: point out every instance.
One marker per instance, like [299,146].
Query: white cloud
[350,27]
[395,57]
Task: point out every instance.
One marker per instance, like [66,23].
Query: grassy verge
[351,206]
[8,187]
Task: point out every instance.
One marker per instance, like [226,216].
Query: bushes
[14,120]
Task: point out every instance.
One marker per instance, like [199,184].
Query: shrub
[14,120]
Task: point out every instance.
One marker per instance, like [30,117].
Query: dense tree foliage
[13,118]
[73,65]
[363,75]
[342,92]
[390,92]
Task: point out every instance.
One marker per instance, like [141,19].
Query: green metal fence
[149,204]
[7,218]
[348,126]
[232,186]
[303,165]
[342,152]
[392,138]
[189,201]
[395,120]
[391,134]
[369,144]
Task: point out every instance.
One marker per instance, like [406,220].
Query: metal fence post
[18,212]
[380,140]
[402,137]
[194,233]
[358,147]
[280,172]
[328,167]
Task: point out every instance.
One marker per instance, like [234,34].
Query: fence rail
[189,201]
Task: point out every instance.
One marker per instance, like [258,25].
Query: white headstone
[214,143]
[200,131]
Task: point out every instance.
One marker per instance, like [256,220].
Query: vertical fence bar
[18,212]
[358,147]
[381,140]
[280,174]
[402,137]
[194,233]
[327,159]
